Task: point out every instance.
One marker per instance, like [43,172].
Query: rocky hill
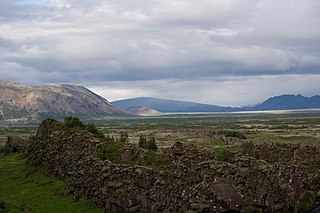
[183,178]
[19,101]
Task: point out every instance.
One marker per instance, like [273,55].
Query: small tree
[124,137]
[143,142]
[148,144]
[152,144]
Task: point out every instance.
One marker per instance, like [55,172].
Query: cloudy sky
[225,52]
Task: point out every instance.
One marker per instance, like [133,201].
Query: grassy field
[210,131]
[23,188]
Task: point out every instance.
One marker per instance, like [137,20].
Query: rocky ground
[257,178]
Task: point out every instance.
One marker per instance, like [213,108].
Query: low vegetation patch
[225,153]
[72,123]
[149,143]
[234,134]
[24,189]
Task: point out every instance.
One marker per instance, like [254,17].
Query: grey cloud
[8,9]
[90,42]
[13,10]
[8,44]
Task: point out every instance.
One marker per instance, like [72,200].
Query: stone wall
[298,154]
[192,180]
[128,188]
[15,144]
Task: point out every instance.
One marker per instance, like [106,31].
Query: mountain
[19,101]
[143,111]
[285,102]
[57,101]
[282,102]
[167,105]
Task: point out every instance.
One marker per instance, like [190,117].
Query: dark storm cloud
[98,42]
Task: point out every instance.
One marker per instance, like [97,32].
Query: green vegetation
[110,150]
[235,134]
[102,154]
[124,137]
[148,143]
[224,153]
[71,123]
[223,134]
[113,150]
[15,113]
[212,131]
[93,129]
[23,188]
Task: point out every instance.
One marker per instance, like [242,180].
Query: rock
[192,180]
[15,144]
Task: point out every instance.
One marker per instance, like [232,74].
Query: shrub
[152,144]
[149,159]
[111,150]
[92,128]
[222,154]
[71,122]
[74,122]
[148,144]
[102,154]
[124,137]
[143,142]
[234,134]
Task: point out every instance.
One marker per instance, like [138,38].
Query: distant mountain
[283,102]
[143,111]
[167,105]
[33,103]
[286,102]
[19,101]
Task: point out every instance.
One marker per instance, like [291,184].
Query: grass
[22,187]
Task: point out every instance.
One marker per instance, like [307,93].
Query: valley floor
[22,187]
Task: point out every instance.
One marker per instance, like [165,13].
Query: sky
[224,52]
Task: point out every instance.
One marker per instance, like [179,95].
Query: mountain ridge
[168,105]
[58,100]
[289,101]
[281,102]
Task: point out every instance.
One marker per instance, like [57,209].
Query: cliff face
[191,180]
[18,101]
